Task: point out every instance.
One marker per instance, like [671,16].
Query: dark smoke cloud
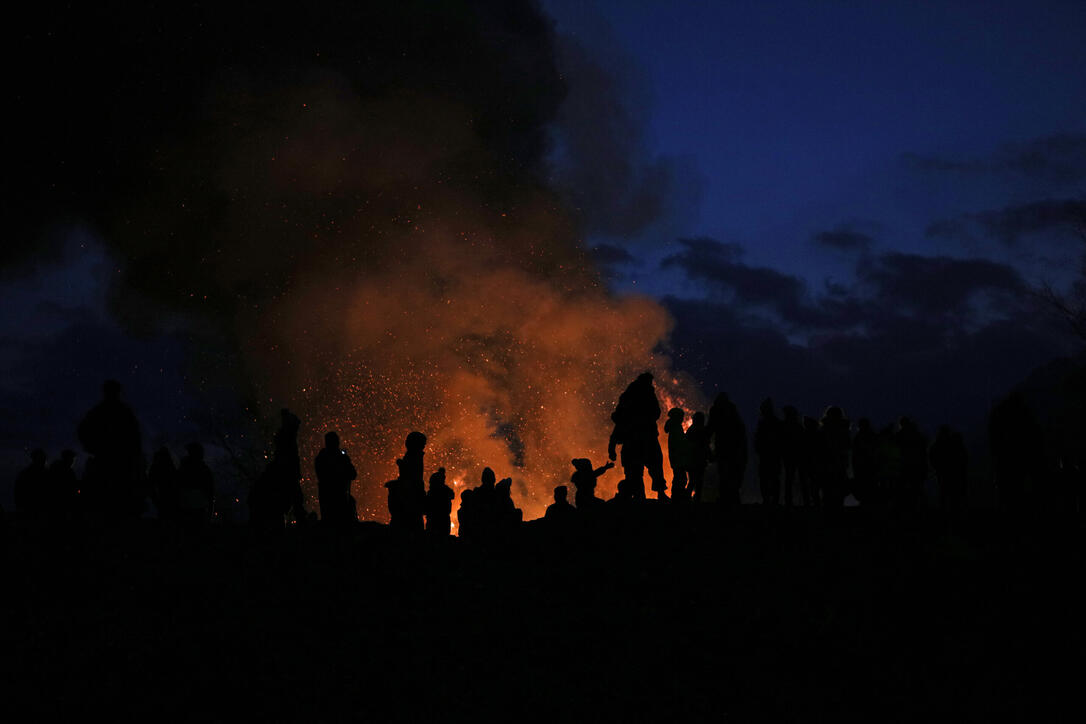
[344,209]
[1011,223]
[602,163]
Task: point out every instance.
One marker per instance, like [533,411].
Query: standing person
[865,462]
[729,436]
[697,438]
[635,430]
[812,463]
[439,500]
[407,494]
[791,451]
[950,461]
[1017,443]
[278,491]
[678,453]
[334,475]
[837,441]
[162,479]
[767,445]
[195,486]
[914,464]
[110,434]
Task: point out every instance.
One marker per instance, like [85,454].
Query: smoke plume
[346,208]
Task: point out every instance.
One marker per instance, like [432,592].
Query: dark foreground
[666,615]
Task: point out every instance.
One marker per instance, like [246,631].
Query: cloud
[719,267]
[1010,223]
[933,285]
[844,239]
[1057,159]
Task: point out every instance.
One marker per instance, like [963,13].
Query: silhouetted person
[334,475]
[439,500]
[278,491]
[407,494]
[837,440]
[768,447]
[914,464]
[950,461]
[729,447]
[560,512]
[585,479]
[865,463]
[678,453]
[162,479]
[697,441]
[31,486]
[812,464]
[635,430]
[195,486]
[478,509]
[509,516]
[791,451]
[1016,443]
[63,485]
[110,434]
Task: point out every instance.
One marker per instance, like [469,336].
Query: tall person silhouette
[635,430]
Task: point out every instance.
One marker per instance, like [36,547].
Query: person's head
[289,420]
[581,464]
[676,413]
[331,440]
[833,414]
[560,494]
[698,420]
[722,399]
[438,478]
[645,378]
[111,390]
[904,423]
[767,407]
[37,456]
[195,450]
[415,441]
[864,424]
[488,477]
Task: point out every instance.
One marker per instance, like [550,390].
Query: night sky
[836,203]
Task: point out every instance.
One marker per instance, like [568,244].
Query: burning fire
[502,369]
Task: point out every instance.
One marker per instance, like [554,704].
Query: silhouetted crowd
[801,461]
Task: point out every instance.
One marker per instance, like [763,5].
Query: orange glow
[498,366]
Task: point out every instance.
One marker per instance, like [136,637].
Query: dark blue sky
[801,116]
[858,196]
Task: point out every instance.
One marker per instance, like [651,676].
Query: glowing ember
[500,368]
